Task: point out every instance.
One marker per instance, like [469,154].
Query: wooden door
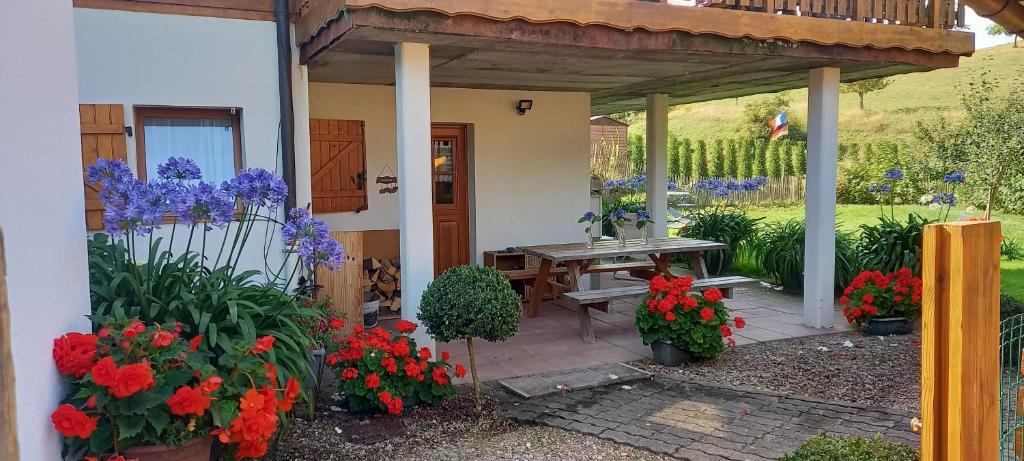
[451,196]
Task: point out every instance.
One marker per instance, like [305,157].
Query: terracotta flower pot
[196,450]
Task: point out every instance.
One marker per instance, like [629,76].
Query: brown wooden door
[451,196]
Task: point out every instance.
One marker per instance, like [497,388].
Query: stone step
[553,382]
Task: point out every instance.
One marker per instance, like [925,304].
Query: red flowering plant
[873,294]
[694,322]
[134,384]
[384,371]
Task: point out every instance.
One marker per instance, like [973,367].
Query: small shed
[609,138]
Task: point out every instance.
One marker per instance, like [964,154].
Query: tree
[717,166]
[700,161]
[686,159]
[996,29]
[761,157]
[732,158]
[747,159]
[800,160]
[637,155]
[757,114]
[787,158]
[987,143]
[468,302]
[775,160]
[864,87]
[674,150]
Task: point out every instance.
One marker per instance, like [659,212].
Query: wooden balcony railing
[936,14]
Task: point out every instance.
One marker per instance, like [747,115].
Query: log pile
[384,277]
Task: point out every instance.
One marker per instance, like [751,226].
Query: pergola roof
[619,51]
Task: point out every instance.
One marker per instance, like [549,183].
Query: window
[210,137]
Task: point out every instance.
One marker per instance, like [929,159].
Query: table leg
[661,263]
[582,311]
[540,284]
[700,270]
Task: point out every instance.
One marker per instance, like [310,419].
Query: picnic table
[580,260]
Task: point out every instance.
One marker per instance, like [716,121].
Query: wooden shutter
[338,163]
[102,137]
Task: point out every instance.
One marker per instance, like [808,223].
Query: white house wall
[41,207]
[146,59]
[530,175]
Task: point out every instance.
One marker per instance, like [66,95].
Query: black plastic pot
[888,326]
[669,355]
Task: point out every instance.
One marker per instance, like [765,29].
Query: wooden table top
[610,249]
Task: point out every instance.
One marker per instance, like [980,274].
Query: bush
[1011,249]
[825,448]
[696,323]
[892,244]
[468,302]
[729,226]
[779,252]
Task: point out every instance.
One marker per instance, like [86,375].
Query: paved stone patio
[552,340]
[696,421]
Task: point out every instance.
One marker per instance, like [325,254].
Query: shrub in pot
[468,302]
[696,324]
[883,304]
[384,371]
[144,391]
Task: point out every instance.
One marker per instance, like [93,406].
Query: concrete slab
[553,382]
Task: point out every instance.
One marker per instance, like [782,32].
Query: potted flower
[643,224]
[682,326]
[144,392]
[883,304]
[590,218]
[618,220]
[384,371]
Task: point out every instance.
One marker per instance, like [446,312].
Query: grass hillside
[889,114]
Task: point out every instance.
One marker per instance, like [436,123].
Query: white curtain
[210,142]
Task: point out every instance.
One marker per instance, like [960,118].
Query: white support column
[657,163]
[822,153]
[415,202]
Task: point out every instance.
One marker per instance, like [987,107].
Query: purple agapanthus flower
[609,184]
[303,226]
[721,192]
[179,169]
[879,188]
[205,203]
[672,185]
[108,172]
[954,177]
[894,174]
[259,187]
[944,199]
[326,253]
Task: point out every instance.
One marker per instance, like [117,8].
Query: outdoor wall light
[524,105]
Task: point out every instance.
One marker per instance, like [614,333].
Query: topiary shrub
[825,448]
[468,302]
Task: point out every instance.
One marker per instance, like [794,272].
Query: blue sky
[978,25]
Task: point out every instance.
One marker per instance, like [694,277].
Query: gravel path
[451,431]
[881,371]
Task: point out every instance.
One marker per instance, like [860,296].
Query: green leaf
[130,426]
[159,420]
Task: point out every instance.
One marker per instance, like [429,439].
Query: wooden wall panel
[8,406]
[344,286]
[102,127]
[338,163]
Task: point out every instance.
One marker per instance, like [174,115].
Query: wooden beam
[8,405]
[257,10]
[960,372]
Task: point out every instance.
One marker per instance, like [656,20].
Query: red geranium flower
[706,314]
[405,326]
[713,295]
[337,324]
[425,353]
[670,316]
[162,339]
[440,376]
[401,347]
[264,344]
[131,379]
[75,353]
[189,401]
[739,322]
[349,374]
[90,402]
[394,406]
[411,369]
[372,381]
[460,370]
[726,331]
[445,356]
[72,422]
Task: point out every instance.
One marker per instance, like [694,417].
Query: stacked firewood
[384,277]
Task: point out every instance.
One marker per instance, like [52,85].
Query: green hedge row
[721,158]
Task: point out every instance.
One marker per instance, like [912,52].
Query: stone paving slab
[698,421]
[555,382]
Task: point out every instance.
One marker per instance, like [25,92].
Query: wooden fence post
[8,415]
[960,342]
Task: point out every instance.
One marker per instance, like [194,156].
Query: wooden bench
[600,299]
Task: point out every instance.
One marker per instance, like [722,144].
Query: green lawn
[850,217]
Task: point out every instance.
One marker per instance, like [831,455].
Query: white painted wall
[139,59]
[41,206]
[531,175]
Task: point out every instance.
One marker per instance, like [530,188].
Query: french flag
[780,126]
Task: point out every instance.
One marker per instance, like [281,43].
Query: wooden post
[960,342]
[8,415]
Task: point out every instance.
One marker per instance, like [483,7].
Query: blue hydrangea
[179,169]
[643,215]
[954,177]
[258,187]
[205,203]
[879,188]
[618,214]
[588,216]
[894,174]
[944,199]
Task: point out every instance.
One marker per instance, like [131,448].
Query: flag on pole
[780,126]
